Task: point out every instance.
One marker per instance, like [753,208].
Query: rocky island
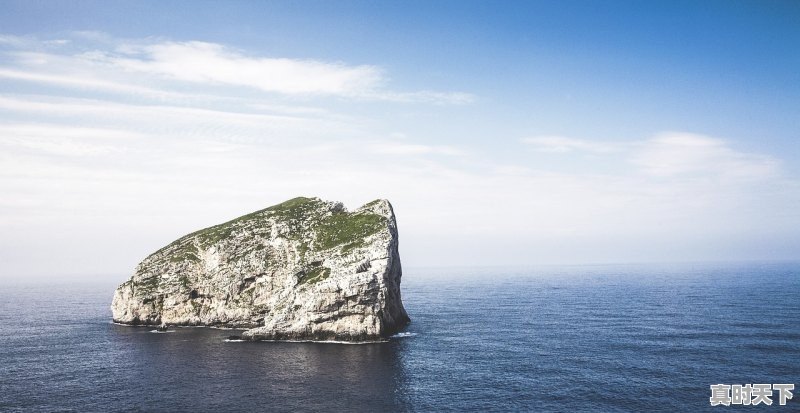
[305,269]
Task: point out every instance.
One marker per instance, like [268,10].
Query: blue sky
[505,133]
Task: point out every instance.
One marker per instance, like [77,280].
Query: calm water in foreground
[606,338]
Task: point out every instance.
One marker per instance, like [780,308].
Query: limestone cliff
[305,269]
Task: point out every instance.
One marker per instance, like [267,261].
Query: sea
[607,338]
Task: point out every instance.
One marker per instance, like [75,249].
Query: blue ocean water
[582,338]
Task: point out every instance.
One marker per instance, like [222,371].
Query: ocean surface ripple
[581,338]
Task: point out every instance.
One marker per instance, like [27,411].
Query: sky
[504,133]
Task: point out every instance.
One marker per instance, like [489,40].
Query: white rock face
[305,269]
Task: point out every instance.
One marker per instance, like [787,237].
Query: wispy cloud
[678,154]
[85,82]
[561,144]
[61,140]
[395,148]
[424,96]
[203,62]
[669,155]
[125,66]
